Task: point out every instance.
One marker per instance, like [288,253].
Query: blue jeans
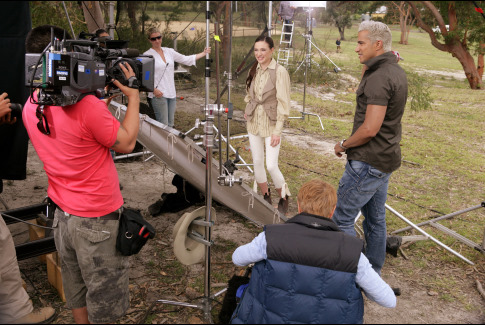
[164,109]
[364,188]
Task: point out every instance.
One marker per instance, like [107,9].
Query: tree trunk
[143,16]
[402,25]
[480,61]
[408,30]
[468,64]
[404,17]
[341,31]
[93,15]
[244,13]
[131,7]
[453,45]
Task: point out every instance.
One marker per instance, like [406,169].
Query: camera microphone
[112,53]
[127,53]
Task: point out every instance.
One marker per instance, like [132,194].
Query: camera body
[70,69]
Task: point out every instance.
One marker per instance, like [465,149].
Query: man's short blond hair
[317,197]
[378,32]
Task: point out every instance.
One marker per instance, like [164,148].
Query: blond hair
[152,31]
[317,197]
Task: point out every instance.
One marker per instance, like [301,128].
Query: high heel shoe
[267,197]
[283,205]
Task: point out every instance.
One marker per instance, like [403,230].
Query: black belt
[115,215]
[111,216]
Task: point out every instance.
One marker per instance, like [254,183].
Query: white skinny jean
[257,144]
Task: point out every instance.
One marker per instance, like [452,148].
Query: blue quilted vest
[308,278]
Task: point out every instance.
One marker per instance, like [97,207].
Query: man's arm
[374,287]
[253,252]
[374,117]
[128,131]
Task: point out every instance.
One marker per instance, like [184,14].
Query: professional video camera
[67,70]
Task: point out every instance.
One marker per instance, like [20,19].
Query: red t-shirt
[82,176]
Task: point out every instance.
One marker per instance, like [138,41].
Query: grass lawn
[443,152]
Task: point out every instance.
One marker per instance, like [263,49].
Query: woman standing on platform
[268,106]
[162,99]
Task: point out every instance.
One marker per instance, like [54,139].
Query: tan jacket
[268,101]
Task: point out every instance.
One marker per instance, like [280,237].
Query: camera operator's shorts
[94,273]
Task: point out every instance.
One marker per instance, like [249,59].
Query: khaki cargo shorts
[94,273]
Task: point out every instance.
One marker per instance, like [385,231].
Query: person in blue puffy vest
[307,270]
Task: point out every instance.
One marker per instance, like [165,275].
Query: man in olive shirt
[373,150]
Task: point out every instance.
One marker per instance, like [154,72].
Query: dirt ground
[156,274]
[196,27]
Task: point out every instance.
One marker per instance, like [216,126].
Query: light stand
[205,301]
[307,61]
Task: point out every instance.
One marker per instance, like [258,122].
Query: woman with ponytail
[268,106]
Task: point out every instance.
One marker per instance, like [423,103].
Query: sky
[309,3]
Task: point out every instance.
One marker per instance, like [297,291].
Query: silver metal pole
[336,66]
[428,236]
[68,20]
[208,174]
[111,26]
[307,58]
[229,84]
[447,216]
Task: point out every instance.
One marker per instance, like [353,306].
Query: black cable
[23,221]
[31,283]
[187,25]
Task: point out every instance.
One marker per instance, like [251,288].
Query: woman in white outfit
[162,99]
[268,106]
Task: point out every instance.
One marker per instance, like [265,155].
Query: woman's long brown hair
[252,72]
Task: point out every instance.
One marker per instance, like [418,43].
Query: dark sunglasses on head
[155,38]
[42,125]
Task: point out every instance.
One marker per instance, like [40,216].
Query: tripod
[307,61]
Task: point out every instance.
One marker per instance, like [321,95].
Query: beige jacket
[268,100]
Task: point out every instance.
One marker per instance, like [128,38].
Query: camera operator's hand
[108,100]
[128,71]
[128,131]
[157,93]
[5,111]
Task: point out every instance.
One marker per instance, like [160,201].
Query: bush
[419,95]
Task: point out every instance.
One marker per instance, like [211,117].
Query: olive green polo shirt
[384,84]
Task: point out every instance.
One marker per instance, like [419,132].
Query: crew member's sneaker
[39,316]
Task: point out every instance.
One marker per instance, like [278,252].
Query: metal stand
[307,61]
[427,236]
[36,247]
[433,222]
[209,109]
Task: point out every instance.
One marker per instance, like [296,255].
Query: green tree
[52,13]
[406,19]
[340,14]
[466,34]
